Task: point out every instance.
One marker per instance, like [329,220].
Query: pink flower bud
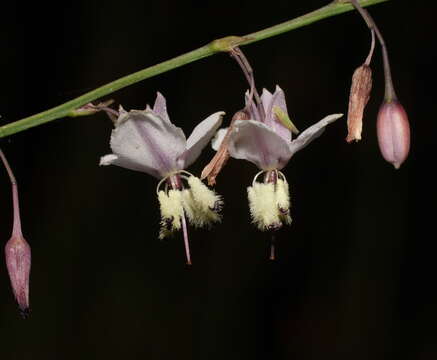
[17,252]
[393,132]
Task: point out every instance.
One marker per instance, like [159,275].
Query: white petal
[256,142]
[121,114]
[277,99]
[218,138]
[200,137]
[313,132]
[160,107]
[108,159]
[266,99]
[253,111]
[144,142]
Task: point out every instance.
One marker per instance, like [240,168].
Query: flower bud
[358,98]
[393,132]
[18,258]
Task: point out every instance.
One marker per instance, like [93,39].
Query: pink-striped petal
[312,133]
[145,142]
[200,137]
[256,142]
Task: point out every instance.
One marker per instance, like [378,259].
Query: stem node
[227,43]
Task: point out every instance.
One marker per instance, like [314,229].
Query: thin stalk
[372,48]
[16,228]
[248,67]
[334,8]
[390,94]
[257,110]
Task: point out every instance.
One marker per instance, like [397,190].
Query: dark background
[355,274]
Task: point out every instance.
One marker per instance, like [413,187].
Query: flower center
[269,200]
[184,196]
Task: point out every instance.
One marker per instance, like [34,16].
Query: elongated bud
[17,250]
[358,98]
[393,132]
[18,259]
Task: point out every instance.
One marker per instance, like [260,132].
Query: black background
[355,274]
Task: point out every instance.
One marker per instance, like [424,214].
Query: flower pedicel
[146,141]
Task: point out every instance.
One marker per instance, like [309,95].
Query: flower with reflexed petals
[146,141]
[265,140]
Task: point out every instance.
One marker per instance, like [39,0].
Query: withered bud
[393,132]
[213,168]
[358,98]
[18,259]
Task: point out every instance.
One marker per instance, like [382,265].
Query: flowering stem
[226,44]
[16,229]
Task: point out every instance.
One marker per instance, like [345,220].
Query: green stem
[334,8]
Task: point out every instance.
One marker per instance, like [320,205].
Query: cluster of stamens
[269,201]
[186,196]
